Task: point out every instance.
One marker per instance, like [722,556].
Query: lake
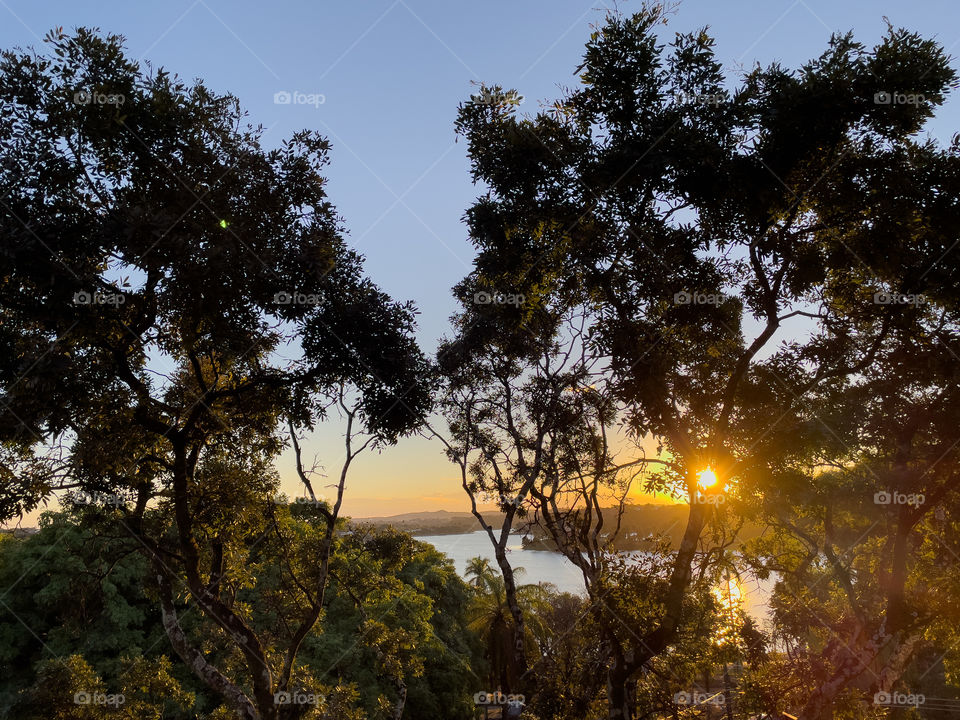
[543,566]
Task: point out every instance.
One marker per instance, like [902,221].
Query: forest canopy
[732,291]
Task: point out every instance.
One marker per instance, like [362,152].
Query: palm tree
[490,616]
[479,568]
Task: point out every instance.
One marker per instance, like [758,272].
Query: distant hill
[20,532]
[639,526]
[429,522]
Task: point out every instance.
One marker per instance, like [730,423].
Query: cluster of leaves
[81,620]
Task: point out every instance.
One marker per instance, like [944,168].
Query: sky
[382,80]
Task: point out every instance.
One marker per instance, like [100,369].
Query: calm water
[543,566]
[540,566]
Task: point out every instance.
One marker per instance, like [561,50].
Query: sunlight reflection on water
[544,566]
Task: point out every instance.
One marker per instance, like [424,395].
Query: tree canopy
[737,248]
[736,291]
[158,265]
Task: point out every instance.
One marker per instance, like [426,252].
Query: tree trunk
[619,695]
[519,626]
[195,660]
[401,701]
[820,704]
[727,694]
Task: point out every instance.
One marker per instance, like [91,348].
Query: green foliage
[491,619]
[395,616]
[69,689]
[68,594]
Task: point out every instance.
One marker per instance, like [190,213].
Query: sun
[706,479]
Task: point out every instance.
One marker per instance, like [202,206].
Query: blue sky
[391,73]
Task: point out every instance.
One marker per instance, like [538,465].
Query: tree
[405,612]
[539,436]
[155,260]
[506,430]
[694,223]
[70,594]
[478,569]
[393,637]
[863,512]
[492,618]
[569,677]
[69,689]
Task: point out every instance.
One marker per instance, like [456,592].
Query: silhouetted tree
[696,222]
[155,260]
